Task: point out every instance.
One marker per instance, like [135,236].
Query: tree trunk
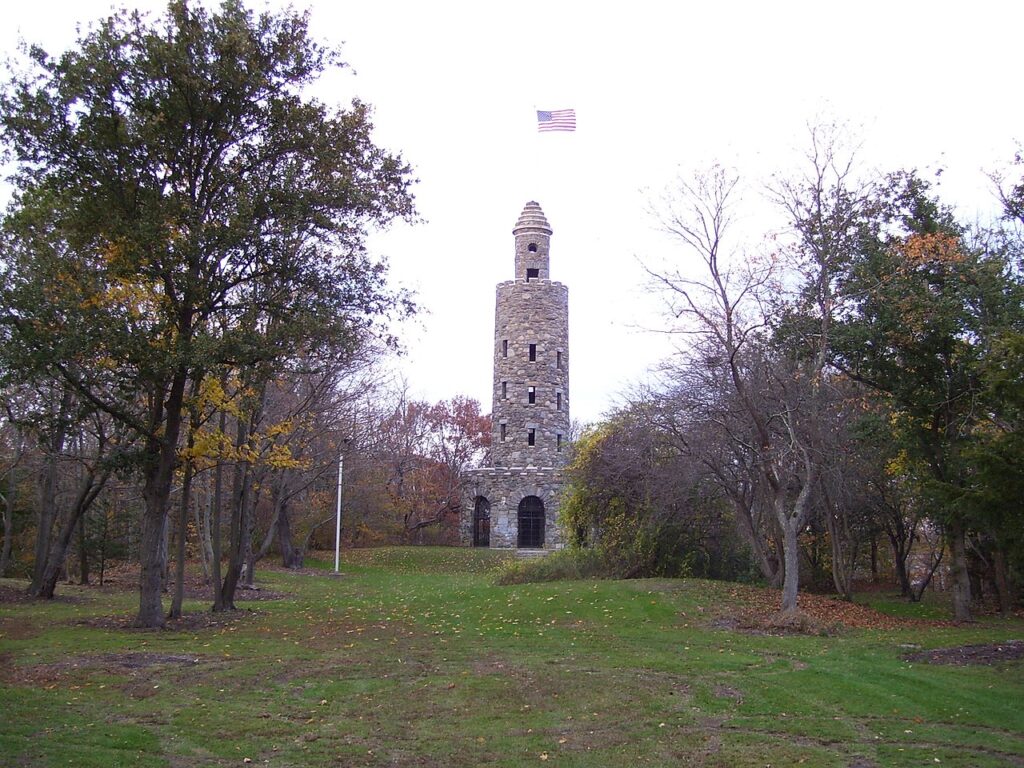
[1002,581]
[218,489]
[218,550]
[5,554]
[291,556]
[791,564]
[840,542]
[162,452]
[915,595]
[235,554]
[241,528]
[154,524]
[899,559]
[179,572]
[201,515]
[88,491]
[55,563]
[280,491]
[749,533]
[46,521]
[959,572]
[242,512]
[89,488]
[48,494]
[104,531]
[83,553]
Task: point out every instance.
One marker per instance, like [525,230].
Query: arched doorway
[481,522]
[531,523]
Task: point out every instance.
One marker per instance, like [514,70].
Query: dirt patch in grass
[12,595]
[988,654]
[138,660]
[19,595]
[72,668]
[727,692]
[124,577]
[188,622]
[16,628]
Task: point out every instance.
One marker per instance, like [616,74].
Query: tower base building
[514,502]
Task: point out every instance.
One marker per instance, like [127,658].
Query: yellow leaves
[898,466]
[281,428]
[208,447]
[131,298]
[280,457]
[932,248]
[213,396]
[212,445]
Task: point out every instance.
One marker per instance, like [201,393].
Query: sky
[660,90]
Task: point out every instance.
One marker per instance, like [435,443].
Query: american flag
[556,120]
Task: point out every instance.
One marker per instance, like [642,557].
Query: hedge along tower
[514,502]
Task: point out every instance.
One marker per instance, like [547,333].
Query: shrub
[642,560]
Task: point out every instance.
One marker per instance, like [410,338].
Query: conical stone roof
[532,219]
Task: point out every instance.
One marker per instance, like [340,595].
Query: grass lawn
[413,657]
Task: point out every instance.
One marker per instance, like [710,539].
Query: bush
[574,563]
[569,564]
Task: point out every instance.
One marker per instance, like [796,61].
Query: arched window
[481,522]
[531,523]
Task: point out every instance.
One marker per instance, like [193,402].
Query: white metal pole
[337,522]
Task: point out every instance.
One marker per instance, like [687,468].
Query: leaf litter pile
[990,653]
[756,609]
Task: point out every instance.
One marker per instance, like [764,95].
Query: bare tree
[697,412]
[724,308]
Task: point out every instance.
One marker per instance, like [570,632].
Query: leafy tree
[926,302]
[639,501]
[183,205]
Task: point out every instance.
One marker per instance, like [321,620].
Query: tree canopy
[183,205]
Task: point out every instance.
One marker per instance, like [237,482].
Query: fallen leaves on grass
[989,653]
[757,609]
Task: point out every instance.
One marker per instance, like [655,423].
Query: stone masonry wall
[504,489]
[530,310]
[528,313]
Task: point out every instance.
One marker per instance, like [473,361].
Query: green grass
[414,657]
[931,607]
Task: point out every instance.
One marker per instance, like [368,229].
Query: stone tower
[514,502]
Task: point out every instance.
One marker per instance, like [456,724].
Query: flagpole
[337,517]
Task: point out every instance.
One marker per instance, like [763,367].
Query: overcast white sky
[658,87]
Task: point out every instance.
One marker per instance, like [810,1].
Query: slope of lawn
[413,657]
